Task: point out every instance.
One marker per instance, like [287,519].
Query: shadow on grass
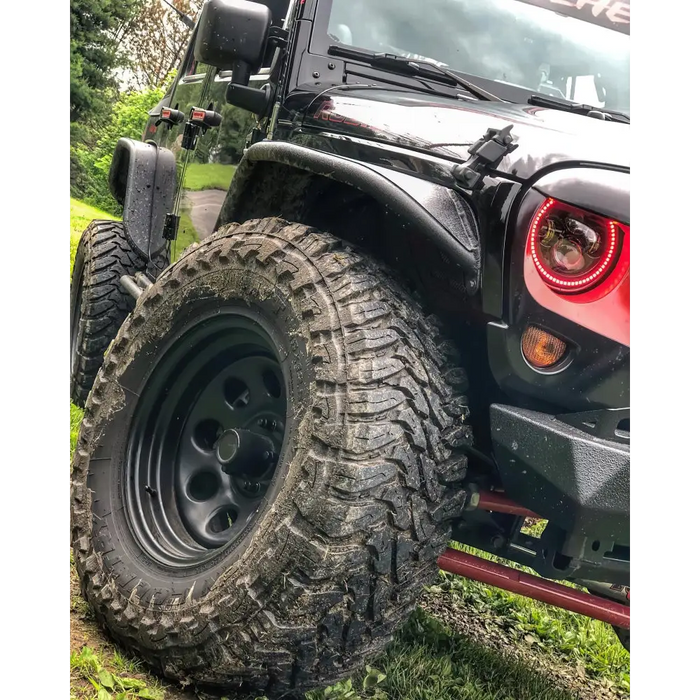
[428,661]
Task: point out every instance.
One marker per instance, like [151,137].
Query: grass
[495,645]
[96,675]
[187,235]
[574,638]
[208,176]
[457,668]
[81,215]
[76,416]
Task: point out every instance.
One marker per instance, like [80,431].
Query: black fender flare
[143,178]
[438,211]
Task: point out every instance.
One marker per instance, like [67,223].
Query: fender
[603,191]
[438,211]
[142,178]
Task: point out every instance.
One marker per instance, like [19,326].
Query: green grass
[580,639]
[76,416]
[126,665]
[81,215]
[209,176]
[95,674]
[428,661]
[187,235]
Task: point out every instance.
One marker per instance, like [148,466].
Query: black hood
[448,127]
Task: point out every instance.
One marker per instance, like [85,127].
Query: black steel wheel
[269,463]
[208,432]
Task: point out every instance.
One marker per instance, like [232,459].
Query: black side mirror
[233,35]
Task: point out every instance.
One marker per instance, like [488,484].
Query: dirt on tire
[371,477]
[99,305]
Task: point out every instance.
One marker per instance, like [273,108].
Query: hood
[448,127]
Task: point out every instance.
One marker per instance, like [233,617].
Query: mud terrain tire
[364,491]
[99,305]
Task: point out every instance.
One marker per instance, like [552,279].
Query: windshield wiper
[410,66]
[578,108]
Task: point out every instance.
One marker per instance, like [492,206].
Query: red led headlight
[573,249]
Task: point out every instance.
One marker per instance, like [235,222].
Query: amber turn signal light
[541,349]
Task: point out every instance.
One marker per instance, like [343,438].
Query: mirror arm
[240,73]
[250,99]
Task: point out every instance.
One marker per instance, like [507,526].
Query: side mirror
[233,35]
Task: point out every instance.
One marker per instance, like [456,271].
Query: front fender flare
[438,211]
[142,178]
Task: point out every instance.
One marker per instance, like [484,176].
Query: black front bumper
[573,470]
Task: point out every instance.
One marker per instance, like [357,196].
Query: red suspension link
[499,503]
[541,589]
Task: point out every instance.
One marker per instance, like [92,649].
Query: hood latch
[487,154]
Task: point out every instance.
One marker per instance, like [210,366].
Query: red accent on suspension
[498,503]
[541,589]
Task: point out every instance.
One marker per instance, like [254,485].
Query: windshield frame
[320,43]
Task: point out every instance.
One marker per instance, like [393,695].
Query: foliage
[89,666]
[94,41]
[345,690]
[154,41]
[233,133]
[91,157]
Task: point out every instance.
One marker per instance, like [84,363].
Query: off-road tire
[99,305]
[369,483]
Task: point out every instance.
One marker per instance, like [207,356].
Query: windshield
[509,42]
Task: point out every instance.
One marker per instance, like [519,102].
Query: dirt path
[204,208]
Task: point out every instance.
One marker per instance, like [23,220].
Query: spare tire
[269,463]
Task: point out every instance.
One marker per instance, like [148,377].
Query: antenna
[188,21]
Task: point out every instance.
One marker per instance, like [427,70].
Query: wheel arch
[142,178]
[331,192]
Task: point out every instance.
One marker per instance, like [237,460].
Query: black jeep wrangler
[407,322]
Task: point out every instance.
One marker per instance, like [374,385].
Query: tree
[90,163]
[94,26]
[94,57]
[155,39]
